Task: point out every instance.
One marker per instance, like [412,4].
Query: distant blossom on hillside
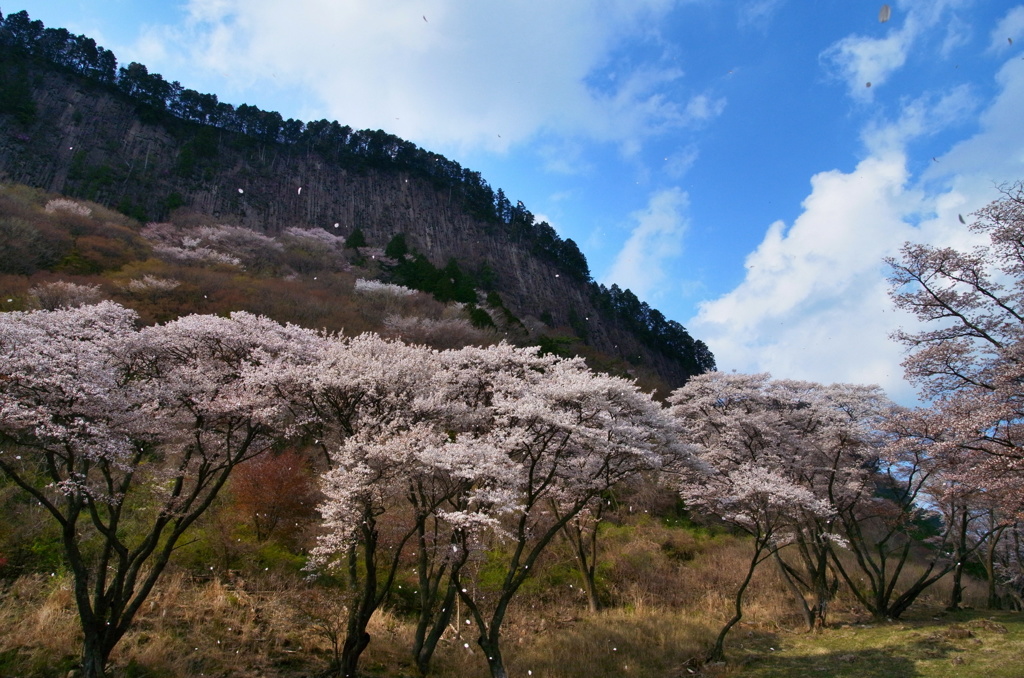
[364,286]
[69,206]
[317,235]
[151,283]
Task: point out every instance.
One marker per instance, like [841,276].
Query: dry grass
[668,591]
[39,628]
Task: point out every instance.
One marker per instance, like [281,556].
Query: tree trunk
[362,608]
[826,589]
[428,633]
[584,549]
[994,602]
[356,641]
[492,650]
[956,594]
[95,653]
[590,586]
[717,653]
[805,609]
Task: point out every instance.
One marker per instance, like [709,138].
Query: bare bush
[19,246]
[442,333]
[62,294]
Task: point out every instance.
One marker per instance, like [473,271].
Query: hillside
[73,124]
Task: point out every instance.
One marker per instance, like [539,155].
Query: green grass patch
[926,645]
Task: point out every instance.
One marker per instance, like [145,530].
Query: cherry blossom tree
[468,381]
[371,407]
[125,438]
[366,518]
[970,360]
[753,435]
[455,452]
[916,507]
[1007,567]
[563,435]
[840,428]
[400,425]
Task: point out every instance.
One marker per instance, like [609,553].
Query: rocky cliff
[88,138]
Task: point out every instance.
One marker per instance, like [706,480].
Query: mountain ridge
[130,140]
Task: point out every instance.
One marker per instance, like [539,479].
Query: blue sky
[725,160]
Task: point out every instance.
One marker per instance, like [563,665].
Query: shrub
[61,294]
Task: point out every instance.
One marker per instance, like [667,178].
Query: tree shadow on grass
[870,663]
[899,649]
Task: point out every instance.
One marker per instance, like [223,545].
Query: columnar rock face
[88,140]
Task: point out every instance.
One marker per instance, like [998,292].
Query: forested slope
[74,123]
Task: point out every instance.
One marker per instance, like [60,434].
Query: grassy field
[664,611]
[928,643]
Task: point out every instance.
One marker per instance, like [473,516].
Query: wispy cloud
[679,162]
[704,107]
[656,239]
[920,117]
[758,14]
[1009,30]
[865,62]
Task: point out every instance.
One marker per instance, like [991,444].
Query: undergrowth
[666,591]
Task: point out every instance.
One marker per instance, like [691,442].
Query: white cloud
[445,73]
[1009,30]
[865,62]
[813,295]
[813,303]
[703,107]
[656,239]
[868,62]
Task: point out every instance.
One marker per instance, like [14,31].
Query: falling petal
[962,219]
[868,85]
[300,190]
[883,14]
[241,191]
